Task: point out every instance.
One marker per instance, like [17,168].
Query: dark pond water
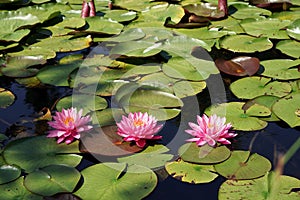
[275,138]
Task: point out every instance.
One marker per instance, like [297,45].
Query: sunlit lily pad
[202,33]
[107,116]
[246,43]
[248,11]
[8,46]
[66,26]
[266,187]
[283,69]
[241,165]
[238,66]
[230,24]
[17,190]
[152,157]
[81,101]
[289,47]
[120,15]
[128,35]
[287,109]
[134,5]
[111,181]
[191,152]
[251,87]
[205,10]
[103,26]
[52,179]
[241,119]
[38,52]
[293,30]
[34,152]
[191,173]
[287,15]
[7,98]
[9,173]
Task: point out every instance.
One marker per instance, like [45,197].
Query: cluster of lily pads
[146,56]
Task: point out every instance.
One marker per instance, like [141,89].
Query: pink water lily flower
[138,127]
[68,124]
[210,130]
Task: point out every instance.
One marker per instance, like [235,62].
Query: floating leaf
[287,108]
[251,87]
[38,52]
[246,43]
[241,119]
[6,98]
[111,181]
[202,33]
[66,26]
[238,66]
[107,116]
[35,152]
[151,157]
[81,101]
[16,190]
[229,24]
[103,26]
[283,69]
[293,30]
[52,179]
[248,11]
[262,188]
[241,165]
[134,5]
[205,10]
[191,152]
[129,35]
[9,173]
[120,15]
[289,47]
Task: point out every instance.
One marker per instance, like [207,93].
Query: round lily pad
[120,15]
[9,173]
[287,109]
[246,43]
[241,118]
[52,179]
[282,69]
[289,47]
[241,165]
[266,187]
[191,173]
[293,29]
[128,35]
[244,11]
[115,181]
[152,157]
[35,152]
[6,98]
[100,25]
[191,152]
[17,190]
[251,87]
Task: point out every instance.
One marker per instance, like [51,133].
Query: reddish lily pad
[205,10]
[238,66]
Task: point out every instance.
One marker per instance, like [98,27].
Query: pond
[166,67]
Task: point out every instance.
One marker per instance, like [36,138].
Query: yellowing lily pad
[7,98]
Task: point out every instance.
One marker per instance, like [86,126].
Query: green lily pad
[111,181]
[246,119]
[287,109]
[66,26]
[293,30]
[107,116]
[251,87]
[100,25]
[38,52]
[81,101]
[35,152]
[8,46]
[287,15]
[289,47]
[52,179]
[7,98]
[129,35]
[242,166]
[281,188]
[191,173]
[230,24]
[282,69]
[271,28]
[120,15]
[246,43]
[202,33]
[152,157]
[17,190]
[191,152]
[134,5]
[29,82]
[9,173]
[244,11]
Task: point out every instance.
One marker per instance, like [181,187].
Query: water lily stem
[292,150]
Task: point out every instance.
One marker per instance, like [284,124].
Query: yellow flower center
[68,120]
[138,123]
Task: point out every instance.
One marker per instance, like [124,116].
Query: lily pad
[230,24]
[81,101]
[134,5]
[289,47]
[111,181]
[191,173]
[7,98]
[287,109]
[39,52]
[52,179]
[9,173]
[35,152]
[246,119]
[241,166]
[107,116]
[205,10]
[246,43]
[129,35]
[68,25]
[120,15]
[251,87]
[293,30]
[17,190]
[152,157]
[244,11]
[191,152]
[282,69]
[100,25]
[281,188]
